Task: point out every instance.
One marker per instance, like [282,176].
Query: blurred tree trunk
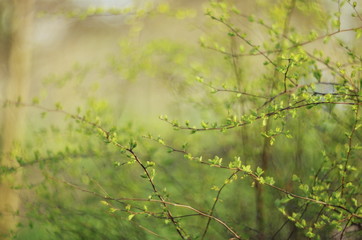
[16,88]
[265,158]
[266,153]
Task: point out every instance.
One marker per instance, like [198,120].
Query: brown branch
[232,91]
[148,200]
[263,53]
[215,202]
[345,228]
[350,136]
[355,10]
[240,92]
[108,137]
[332,69]
[240,124]
[236,32]
[256,178]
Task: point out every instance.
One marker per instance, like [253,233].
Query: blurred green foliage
[262,133]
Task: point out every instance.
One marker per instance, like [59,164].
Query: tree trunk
[265,158]
[12,118]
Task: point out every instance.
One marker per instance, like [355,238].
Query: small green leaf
[35,100]
[310,233]
[246,168]
[58,106]
[269,180]
[112,210]
[259,171]
[317,74]
[358,33]
[295,178]
[241,48]
[204,124]
[132,144]
[199,79]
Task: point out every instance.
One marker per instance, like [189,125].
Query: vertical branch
[12,119]
[265,157]
[179,230]
[349,148]
[215,202]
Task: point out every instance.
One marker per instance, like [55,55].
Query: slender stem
[215,202]
[149,200]
[107,136]
[349,150]
[256,178]
[269,114]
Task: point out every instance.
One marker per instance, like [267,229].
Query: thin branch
[244,39]
[243,123]
[349,150]
[286,75]
[148,200]
[215,202]
[355,10]
[239,92]
[108,137]
[345,227]
[256,178]
[344,77]
[263,53]
[232,91]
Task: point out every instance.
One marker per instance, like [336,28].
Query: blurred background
[123,64]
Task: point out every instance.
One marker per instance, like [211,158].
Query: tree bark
[16,88]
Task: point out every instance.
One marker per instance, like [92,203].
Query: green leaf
[241,48]
[317,74]
[132,144]
[304,187]
[310,233]
[295,178]
[259,171]
[204,124]
[112,210]
[246,168]
[199,79]
[269,180]
[58,106]
[144,175]
[358,33]
[35,100]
